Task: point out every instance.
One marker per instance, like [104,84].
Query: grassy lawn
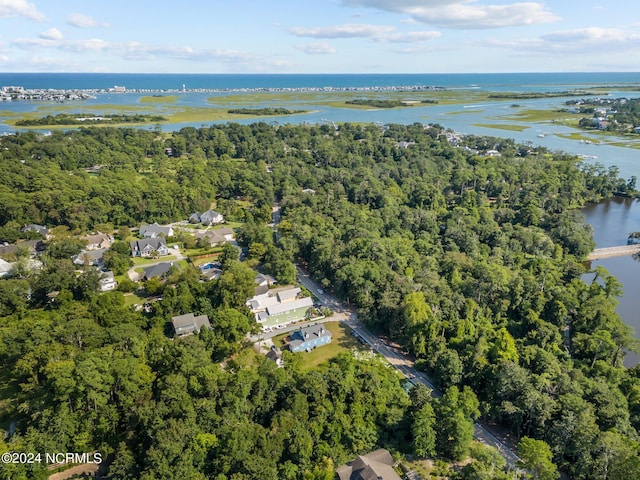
[342,341]
[146,261]
[138,297]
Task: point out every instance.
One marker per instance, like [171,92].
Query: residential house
[308,338]
[278,307]
[210,217]
[5,268]
[263,280]
[158,270]
[636,129]
[147,247]
[216,237]
[107,282]
[275,354]
[188,324]
[211,274]
[89,257]
[33,246]
[40,229]
[155,230]
[98,241]
[377,465]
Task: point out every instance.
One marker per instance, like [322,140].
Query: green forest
[472,262]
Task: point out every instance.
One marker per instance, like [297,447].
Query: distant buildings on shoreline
[19,93]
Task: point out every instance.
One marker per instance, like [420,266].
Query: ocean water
[495,81]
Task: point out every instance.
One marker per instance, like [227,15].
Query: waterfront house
[308,338]
[147,247]
[189,324]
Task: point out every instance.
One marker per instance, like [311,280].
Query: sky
[319,36]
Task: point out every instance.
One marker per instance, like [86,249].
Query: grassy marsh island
[160,99]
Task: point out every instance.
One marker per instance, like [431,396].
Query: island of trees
[467,251]
[88,119]
[264,111]
[382,103]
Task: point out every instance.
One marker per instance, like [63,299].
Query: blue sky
[319,36]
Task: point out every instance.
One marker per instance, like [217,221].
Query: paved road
[400,361]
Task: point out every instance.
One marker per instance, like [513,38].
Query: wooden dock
[609,252]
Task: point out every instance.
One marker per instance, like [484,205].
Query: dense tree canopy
[466,251]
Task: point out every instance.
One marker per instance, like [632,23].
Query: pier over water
[610,252]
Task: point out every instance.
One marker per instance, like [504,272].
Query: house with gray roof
[146,247]
[98,241]
[210,217]
[89,257]
[40,229]
[155,230]
[107,281]
[308,338]
[5,268]
[377,465]
[188,324]
[159,270]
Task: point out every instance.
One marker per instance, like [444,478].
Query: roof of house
[377,465]
[158,270]
[306,334]
[285,307]
[189,323]
[107,277]
[211,216]
[29,244]
[155,229]
[288,294]
[213,237]
[100,238]
[32,227]
[92,256]
[274,353]
[5,267]
[153,243]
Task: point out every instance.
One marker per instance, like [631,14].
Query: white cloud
[320,48]
[19,8]
[51,40]
[409,37]
[51,34]
[582,40]
[81,20]
[466,14]
[91,44]
[378,33]
[350,30]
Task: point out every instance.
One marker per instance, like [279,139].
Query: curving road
[400,361]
